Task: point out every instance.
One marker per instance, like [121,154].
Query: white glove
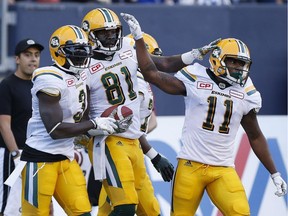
[134,26]
[280,184]
[199,53]
[104,124]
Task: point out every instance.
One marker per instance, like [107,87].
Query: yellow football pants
[222,184]
[126,172]
[148,204]
[64,180]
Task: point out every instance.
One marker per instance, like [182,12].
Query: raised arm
[164,81]
[176,62]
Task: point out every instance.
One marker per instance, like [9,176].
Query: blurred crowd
[167,2]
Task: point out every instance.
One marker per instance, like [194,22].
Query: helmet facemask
[77,56]
[237,75]
[157,52]
[107,41]
[69,49]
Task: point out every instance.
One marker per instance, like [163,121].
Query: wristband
[152,153]
[275,175]
[15,153]
[137,37]
[94,123]
[187,58]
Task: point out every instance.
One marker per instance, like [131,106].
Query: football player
[59,101]
[148,203]
[148,123]
[113,81]
[218,100]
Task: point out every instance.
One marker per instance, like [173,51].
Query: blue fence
[178,29]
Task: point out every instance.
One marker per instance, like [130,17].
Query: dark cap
[25,44]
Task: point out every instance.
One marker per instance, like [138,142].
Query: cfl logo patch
[204,85]
[70,82]
[95,68]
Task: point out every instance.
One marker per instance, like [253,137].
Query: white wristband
[275,175]
[94,123]
[187,58]
[137,37]
[152,153]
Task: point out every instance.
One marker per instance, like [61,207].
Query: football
[78,156]
[122,112]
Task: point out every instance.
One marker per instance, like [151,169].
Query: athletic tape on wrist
[137,37]
[187,58]
[94,123]
[152,153]
[275,175]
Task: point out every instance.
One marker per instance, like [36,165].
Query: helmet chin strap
[227,80]
[108,53]
[237,79]
[71,69]
[75,70]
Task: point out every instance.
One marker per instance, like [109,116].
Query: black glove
[164,167]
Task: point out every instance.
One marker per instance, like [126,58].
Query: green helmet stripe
[77,32]
[241,46]
[106,14]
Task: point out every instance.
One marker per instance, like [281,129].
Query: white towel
[15,174]
[99,157]
[13,206]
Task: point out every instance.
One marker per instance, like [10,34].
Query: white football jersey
[212,116]
[73,103]
[115,83]
[146,101]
